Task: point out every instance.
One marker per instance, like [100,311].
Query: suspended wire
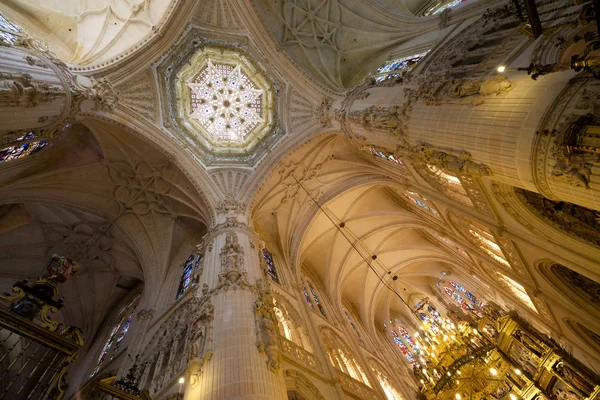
[365,259]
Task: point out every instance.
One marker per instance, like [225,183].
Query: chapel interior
[300,199]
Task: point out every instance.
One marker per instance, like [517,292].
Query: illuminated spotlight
[458,396]
[181,380]
[501,68]
[493,371]
[513,397]
[518,371]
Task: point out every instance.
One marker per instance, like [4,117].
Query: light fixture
[513,397]
[501,68]
[458,396]
[493,371]
[518,371]
[181,380]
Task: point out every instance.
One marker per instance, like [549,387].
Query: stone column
[38,92]
[33,90]
[240,355]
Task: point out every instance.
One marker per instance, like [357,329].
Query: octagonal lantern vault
[224,99]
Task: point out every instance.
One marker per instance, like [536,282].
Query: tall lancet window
[316,299]
[439,6]
[271,270]
[22,146]
[9,32]
[186,276]
[351,322]
[117,333]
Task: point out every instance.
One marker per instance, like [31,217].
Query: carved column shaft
[32,91]
[239,367]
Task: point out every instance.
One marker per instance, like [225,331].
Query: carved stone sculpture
[232,261]
[266,325]
[21,90]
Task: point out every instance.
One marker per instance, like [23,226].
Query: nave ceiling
[129,195]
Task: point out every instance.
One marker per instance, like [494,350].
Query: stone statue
[59,269]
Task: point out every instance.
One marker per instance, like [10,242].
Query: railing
[34,360]
[355,388]
[296,353]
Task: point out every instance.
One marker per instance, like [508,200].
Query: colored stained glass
[21,147]
[186,276]
[351,322]
[409,356]
[385,156]
[398,67]
[270,265]
[117,334]
[419,200]
[306,296]
[317,302]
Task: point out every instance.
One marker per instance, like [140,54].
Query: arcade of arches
[299,199]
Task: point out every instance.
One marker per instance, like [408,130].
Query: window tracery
[420,201]
[342,358]
[397,67]
[450,184]
[463,297]
[488,245]
[22,146]
[226,101]
[9,32]
[450,244]
[271,270]
[385,155]
[117,334]
[353,326]
[390,391]
[517,290]
[186,276]
[312,297]
[440,6]
[405,342]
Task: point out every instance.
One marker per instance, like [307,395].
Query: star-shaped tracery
[226,102]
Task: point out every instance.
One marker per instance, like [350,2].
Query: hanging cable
[354,247]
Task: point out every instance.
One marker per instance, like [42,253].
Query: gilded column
[239,356]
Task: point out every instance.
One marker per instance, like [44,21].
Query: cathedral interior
[300,199]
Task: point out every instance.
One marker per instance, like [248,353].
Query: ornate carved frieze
[266,325]
[21,90]
[559,158]
[138,94]
[232,275]
[386,119]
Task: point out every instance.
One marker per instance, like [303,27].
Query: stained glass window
[316,298]
[404,349]
[186,276]
[442,5]
[450,243]
[419,201]
[351,322]
[306,296]
[117,334]
[517,290]
[458,293]
[9,32]
[22,146]
[226,102]
[451,184]
[385,155]
[397,67]
[270,265]
[489,246]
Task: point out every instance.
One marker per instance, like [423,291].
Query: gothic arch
[579,289]
[298,382]
[587,336]
[298,323]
